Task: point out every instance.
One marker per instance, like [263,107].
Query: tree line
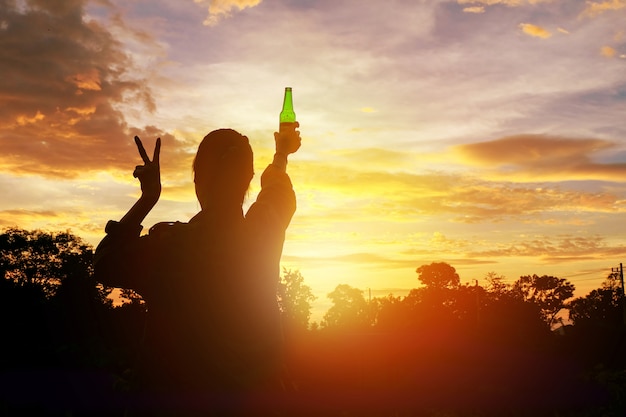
[445,348]
[545,303]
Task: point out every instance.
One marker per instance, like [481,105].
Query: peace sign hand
[149,174]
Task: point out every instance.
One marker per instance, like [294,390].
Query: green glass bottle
[287,115]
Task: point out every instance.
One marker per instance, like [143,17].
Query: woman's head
[223,168]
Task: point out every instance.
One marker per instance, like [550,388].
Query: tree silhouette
[349,309]
[468,303]
[602,306]
[53,318]
[29,259]
[51,303]
[496,287]
[490,343]
[389,313]
[547,292]
[42,259]
[24,322]
[438,275]
[432,305]
[132,297]
[294,300]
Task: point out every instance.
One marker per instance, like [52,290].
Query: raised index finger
[141,149]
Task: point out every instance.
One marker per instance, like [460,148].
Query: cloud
[554,249]
[65,81]
[477,202]
[220,9]
[474,9]
[543,157]
[608,51]
[14,217]
[509,3]
[547,249]
[534,30]
[405,200]
[529,149]
[594,8]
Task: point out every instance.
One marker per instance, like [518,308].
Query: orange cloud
[89,80]
[553,249]
[23,120]
[219,9]
[530,149]
[20,213]
[594,9]
[509,3]
[332,191]
[534,30]
[46,128]
[82,111]
[540,156]
[474,9]
[608,52]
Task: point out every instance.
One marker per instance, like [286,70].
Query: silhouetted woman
[213,326]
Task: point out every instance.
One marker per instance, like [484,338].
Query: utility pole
[477,303]
[620,270]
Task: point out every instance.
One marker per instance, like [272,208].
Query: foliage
[431,306]
[438,275]
[294,300]
[132,297]
[349,309]
[42,259]
[602,306]
[491,347]
[496,287]
[388,312]
[547,292]
[51,307]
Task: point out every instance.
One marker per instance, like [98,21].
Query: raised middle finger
[157,151]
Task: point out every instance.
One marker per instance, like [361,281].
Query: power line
[586,279]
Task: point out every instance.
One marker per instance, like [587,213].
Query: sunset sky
[488,134]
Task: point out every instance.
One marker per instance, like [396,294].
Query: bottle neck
[287,101]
